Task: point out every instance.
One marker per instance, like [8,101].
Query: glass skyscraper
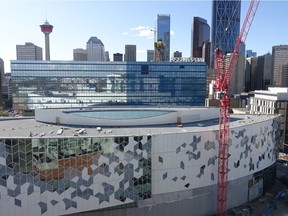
[53,84]
[199,35]
[225,25]
[163,33]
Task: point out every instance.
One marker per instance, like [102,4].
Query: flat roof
[20,127]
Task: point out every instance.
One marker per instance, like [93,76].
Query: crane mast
[222,89]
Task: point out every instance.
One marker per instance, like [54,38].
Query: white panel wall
[252,149]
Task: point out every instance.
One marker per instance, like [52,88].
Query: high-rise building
[258,75]
[250,53]
[163,34]
[46,28]
[263,72]
[200,33]
[95,50]
[118,57]
[177,54]
[225,26]
[150,55]
[130,53]
[279,58]
[267,70]
[238,77]
[29,51]
[251,74]
[107,58]
[206,52]
[80,54]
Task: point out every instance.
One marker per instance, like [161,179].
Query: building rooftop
[21,127]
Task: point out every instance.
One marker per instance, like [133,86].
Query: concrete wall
[186,115]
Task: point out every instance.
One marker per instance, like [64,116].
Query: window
[144,69]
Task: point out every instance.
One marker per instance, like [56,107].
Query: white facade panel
[189,160]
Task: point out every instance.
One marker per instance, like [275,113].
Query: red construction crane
[222,90]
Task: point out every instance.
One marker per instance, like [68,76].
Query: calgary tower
[46,28]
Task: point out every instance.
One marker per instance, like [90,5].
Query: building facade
[71,84]
[237,81]
[258,73]
[107,57]
[250,53]
[95,49]
[130,53]
[206,53]
[163,33]
[80,54]
[177,54]
[225,26]
[200,34]
[118,57]
[29,51]
[150,55]
[273,101]
[279,58]
[47,170]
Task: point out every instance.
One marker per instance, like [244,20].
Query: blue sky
[118,23]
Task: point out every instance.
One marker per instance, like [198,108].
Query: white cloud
[146,33]
[172,32]
[125,33]
[137,28]
[143,31]
[141,51]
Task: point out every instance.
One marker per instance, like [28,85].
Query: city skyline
[117,23]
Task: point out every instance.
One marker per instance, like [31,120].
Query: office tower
[200,34]
[29,51]
[206,52]
[46,28]
[250,53]
[279,58]
[130,53]
[107,58]
[251,74]
[263,72]
[225,26]
[163,34]
[267,70]
[258,75]
[177,54]
[95,50]
[150,55]
[118,57]
[247,86]
[80,54]
[238,77]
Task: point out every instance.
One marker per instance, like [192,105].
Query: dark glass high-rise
[225,25]
[163,33]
